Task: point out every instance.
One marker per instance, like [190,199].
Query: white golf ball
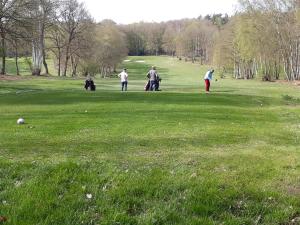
[20,121]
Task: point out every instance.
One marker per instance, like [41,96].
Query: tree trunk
[59,63]
[42,43]
[74,66]
[44,61]
[66,61]
[38,50]
[16,59]
[37,58]
[3,69]
[75,69]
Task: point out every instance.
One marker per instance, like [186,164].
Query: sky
[131,11]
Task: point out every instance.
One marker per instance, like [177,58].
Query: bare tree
[107,49]
[196,40]
[9,17]
[154,37]
[169,40]
[56,37]
[279,26]
[73,19]
[40,17]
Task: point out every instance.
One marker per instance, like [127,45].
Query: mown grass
[24,66]
[173,157]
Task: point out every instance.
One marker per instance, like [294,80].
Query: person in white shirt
[207,79]
[124,79]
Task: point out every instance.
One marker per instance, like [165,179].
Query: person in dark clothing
[93,86]
[89,84]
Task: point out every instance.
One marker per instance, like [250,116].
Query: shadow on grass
[168,143]
[77,97]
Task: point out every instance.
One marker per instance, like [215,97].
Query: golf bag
[157,84]
[158,80]
[147,86]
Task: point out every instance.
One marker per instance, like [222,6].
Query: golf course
[176,156]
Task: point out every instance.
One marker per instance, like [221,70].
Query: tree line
[62,30]
[190,39]
[262,38]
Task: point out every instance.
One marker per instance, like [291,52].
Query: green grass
[24,67]
[173,157]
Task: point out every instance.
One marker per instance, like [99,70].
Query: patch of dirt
[9,78]
[293,190]
[296,83]
[2,219]
[294,220]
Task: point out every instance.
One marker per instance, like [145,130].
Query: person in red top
[207,78]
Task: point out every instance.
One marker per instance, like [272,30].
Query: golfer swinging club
[207,78]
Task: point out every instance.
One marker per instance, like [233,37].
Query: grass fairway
[173,157]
